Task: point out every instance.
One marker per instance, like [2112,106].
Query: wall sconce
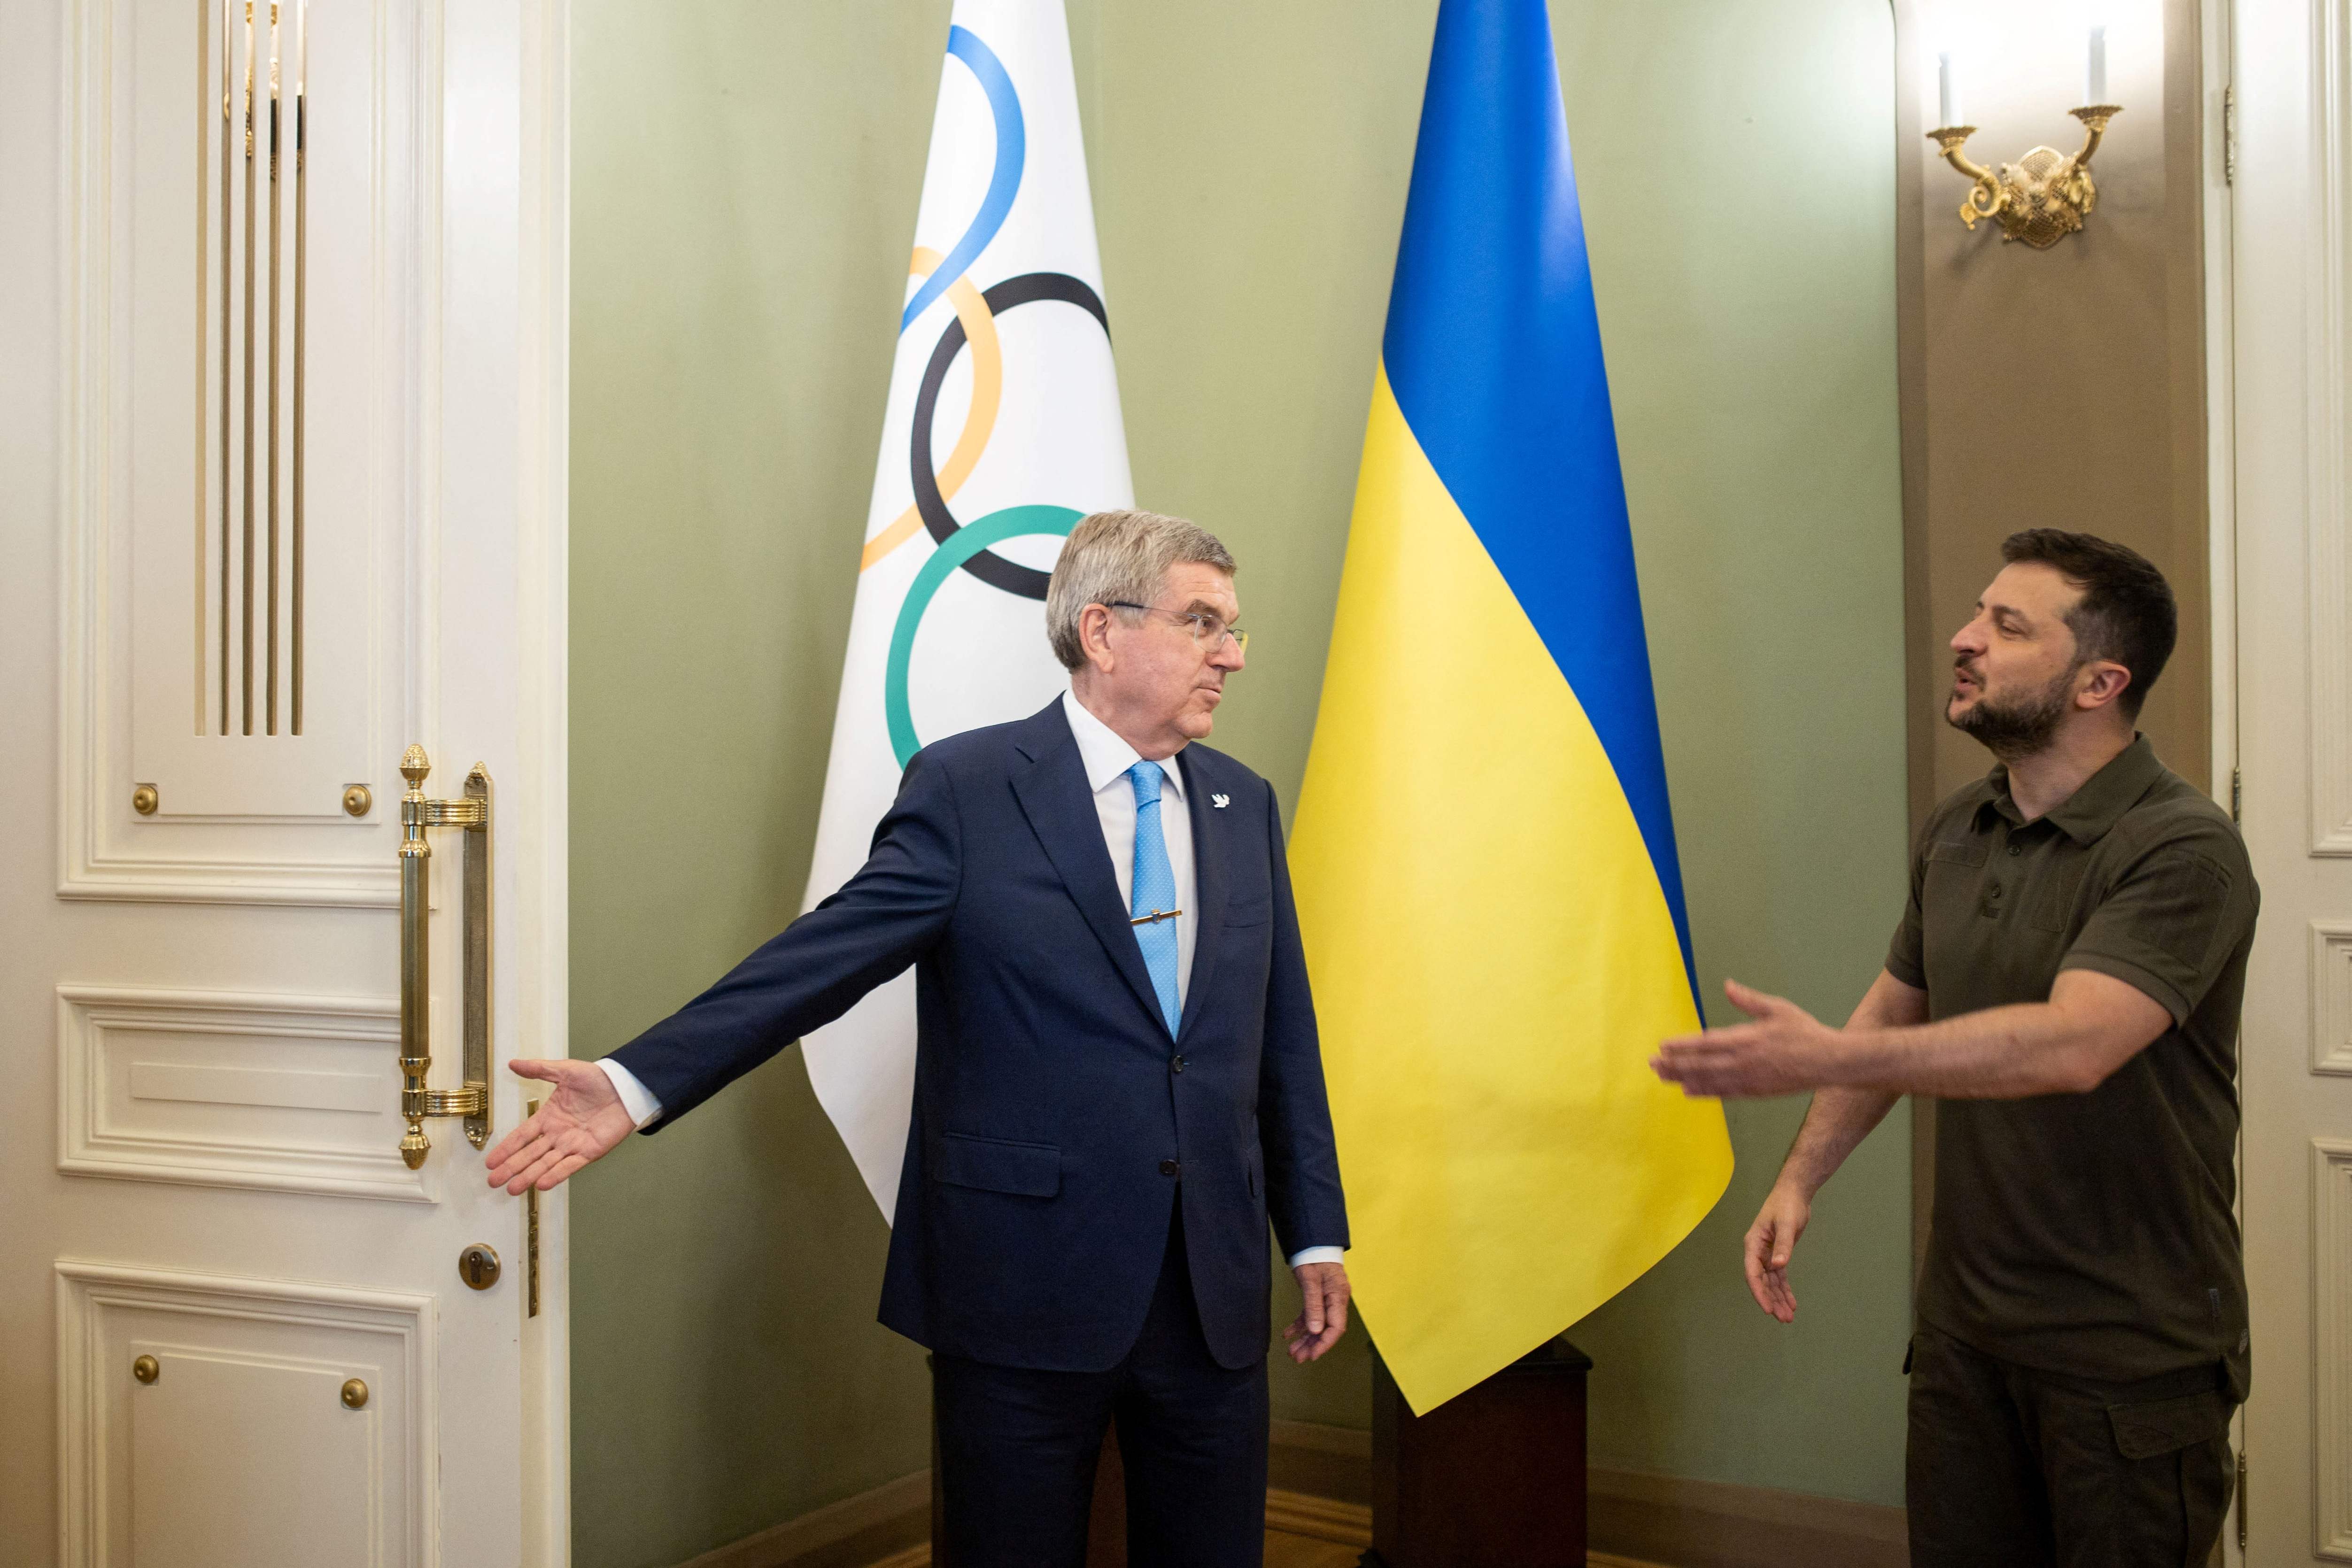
[2043,196]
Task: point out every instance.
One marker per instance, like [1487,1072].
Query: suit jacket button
[1170,1167]
[1178,1064]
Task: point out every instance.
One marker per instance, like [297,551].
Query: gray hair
[1115,555]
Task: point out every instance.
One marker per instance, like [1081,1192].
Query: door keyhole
[478,1266]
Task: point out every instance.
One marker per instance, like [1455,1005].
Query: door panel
[250,597]
[2293,374]
[281,471]
[238,1445]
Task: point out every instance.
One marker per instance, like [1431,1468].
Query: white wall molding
[2330,446]
[2331,1319]
[2331,996]
[266,849]
[98,1304]
[262,1090]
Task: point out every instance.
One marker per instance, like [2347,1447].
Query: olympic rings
[1027,288]
[962,545]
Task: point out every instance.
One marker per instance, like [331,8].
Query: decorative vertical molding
[2217,217]
[2330,615]
[541,962]
[2331,1319]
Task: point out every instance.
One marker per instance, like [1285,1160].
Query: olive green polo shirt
[2092,1233]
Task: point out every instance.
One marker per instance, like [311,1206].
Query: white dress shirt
[1106,758]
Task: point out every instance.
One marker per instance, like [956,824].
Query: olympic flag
[1004,349]
[1485,856]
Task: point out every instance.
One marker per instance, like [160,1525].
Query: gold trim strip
[228,322]
[301,304]
[245,508]
[277,226]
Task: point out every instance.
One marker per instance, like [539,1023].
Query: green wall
[745,177]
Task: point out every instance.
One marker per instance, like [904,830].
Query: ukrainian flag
[1484,855]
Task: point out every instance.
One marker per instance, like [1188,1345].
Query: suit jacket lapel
[1211,884]
[1061,811]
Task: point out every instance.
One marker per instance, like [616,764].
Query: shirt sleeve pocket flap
[2166,1426]
[994,1165]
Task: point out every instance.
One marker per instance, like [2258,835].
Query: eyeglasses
[1207,629]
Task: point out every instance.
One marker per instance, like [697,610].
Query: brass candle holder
[2043,196]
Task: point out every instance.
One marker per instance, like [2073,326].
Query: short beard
[2022,726]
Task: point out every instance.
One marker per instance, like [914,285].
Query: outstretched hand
[1785,1050]
[1324,1317]
[1771,1242]
[583,1120]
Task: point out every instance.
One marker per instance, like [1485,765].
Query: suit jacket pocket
[995,1165]
[1249,912]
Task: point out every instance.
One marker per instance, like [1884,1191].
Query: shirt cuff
[1305,1255]
[636,1098]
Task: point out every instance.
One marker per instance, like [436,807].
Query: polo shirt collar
[1103,754]
[2088,814]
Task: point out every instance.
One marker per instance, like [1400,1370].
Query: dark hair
[2127,612]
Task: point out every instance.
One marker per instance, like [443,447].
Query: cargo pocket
[997,1164]
[2168,1425]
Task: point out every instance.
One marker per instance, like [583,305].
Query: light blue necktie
[1154,891]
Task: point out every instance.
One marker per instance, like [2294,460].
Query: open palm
[581,1121]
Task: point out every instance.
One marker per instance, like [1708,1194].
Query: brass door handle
[470,811]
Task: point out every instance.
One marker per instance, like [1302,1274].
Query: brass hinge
[2229,136]
[2242,1503]
[2237,796]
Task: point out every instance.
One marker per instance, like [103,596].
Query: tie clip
[1155,918]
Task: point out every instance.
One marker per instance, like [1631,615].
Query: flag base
[1494,1477]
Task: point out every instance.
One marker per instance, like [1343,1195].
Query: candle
[1947,91]
[2094,73]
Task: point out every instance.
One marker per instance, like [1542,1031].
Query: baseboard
[1322,1488]
[1320,1461]
[1318,1518]
[1636,1519]
[1713,1524]
[889,1527]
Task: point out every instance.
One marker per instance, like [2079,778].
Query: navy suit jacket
[1056,1124]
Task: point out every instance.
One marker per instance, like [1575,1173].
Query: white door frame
[543,501]
[2277,264]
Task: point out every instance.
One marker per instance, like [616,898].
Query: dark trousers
[2012,1467]
[1018,1448]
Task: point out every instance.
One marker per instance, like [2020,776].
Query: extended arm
[805,976]
[2092,1024]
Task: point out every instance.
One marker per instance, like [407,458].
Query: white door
[281,457]
[2293,371]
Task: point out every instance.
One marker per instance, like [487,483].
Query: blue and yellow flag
[1484,855]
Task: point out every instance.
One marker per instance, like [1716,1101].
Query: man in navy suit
[1117,1082]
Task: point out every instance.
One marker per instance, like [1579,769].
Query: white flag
[1003,430]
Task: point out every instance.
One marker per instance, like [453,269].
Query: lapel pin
[1219,803]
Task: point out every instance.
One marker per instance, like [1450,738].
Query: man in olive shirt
[2066,980]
